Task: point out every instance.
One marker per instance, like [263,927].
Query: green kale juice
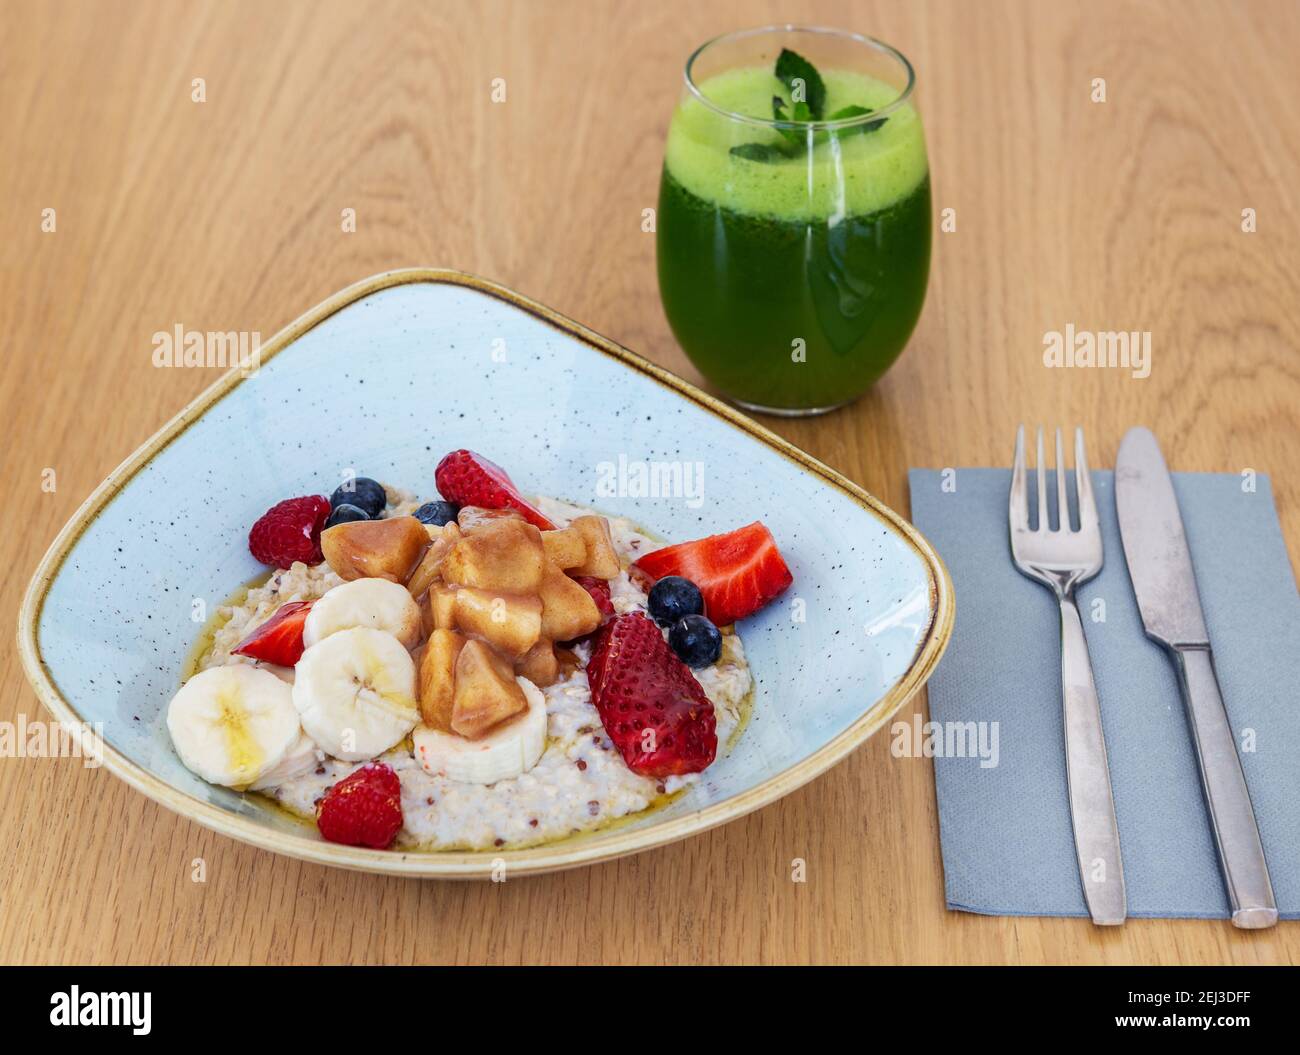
[792,265]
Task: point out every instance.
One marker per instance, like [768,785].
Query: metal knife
[1160,566]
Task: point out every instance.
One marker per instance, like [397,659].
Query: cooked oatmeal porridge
[451,705]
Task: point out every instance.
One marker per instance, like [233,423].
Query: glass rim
[788,27]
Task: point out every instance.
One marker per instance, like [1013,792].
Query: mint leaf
[803,82]
[759,152]
[844,114]
[792,135]
[808,103]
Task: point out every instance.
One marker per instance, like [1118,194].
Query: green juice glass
[793,254]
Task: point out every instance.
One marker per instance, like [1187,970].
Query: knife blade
[1164,582]
[1155,545]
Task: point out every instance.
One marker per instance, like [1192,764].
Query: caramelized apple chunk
[375,549]
[601,559]
[427,571]
[485,692]
[439,608]
[471,517]
[565,547]
[568,612]
[568,662]
[505,554]
[511,622]
[437,678]
[540,664]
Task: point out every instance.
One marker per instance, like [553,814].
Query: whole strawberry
[290,531]
[650,704]
[469,479]
[362,809]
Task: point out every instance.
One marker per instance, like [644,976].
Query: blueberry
[696,641]
[344,513]
[673,597]
[437,513]
[364,493]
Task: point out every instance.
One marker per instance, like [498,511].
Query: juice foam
[849,175]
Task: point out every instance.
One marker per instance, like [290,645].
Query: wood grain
[226,215]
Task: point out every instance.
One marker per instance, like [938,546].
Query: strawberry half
[279,639]
[737,572]
[652,707]
[469,479]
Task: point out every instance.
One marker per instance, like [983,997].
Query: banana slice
[285,674]
[301,758]
[375,603]
[232,725]
[355,692]
[504,753]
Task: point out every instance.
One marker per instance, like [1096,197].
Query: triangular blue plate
[385,377]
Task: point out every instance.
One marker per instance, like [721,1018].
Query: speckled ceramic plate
[385,377]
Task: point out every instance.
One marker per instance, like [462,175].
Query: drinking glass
[793,244]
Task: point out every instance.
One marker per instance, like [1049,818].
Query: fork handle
[1092,807]
[1241,854]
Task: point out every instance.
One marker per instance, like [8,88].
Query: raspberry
[599,590]
[290,531]
[362,809]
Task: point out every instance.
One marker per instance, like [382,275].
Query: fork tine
[1062,499]
[1018,507]
[1043,525]
[1083,485]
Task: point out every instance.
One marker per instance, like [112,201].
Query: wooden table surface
[225,214]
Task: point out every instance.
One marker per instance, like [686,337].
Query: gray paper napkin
[1005,829]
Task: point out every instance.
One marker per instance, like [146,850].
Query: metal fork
[1061,560]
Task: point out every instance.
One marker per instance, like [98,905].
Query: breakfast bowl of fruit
[453,587]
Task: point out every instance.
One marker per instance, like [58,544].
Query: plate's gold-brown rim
[458,865]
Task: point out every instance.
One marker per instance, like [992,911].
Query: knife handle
[1092,807]
[1241,854]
